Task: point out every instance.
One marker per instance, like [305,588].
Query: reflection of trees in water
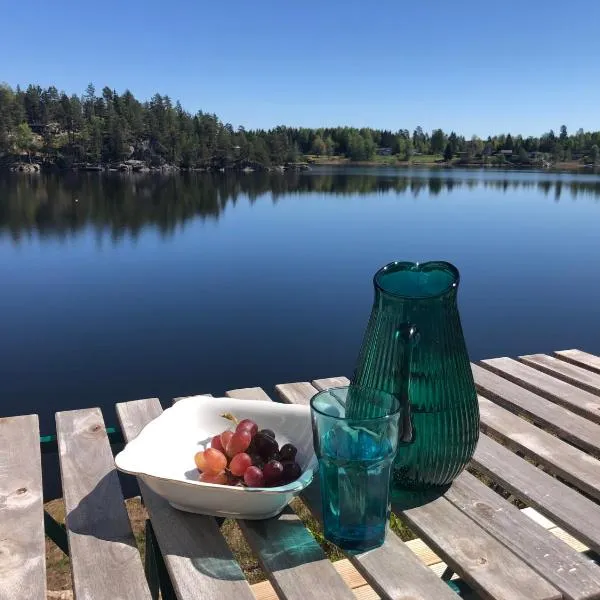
[60,204]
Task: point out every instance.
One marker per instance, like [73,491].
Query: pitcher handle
[408,336]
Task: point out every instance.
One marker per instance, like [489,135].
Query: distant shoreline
[35,167]
[568,166]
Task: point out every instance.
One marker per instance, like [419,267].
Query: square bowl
[162,455]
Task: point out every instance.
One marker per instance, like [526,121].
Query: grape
[253,477]
[216,443]
[291,471]
[220,478]
[268,432]
[200,460]
[225,437]
[210,461]
[239,442]
[265,445]
[288,452]
[257,460]
[272,472]
[247,425]
[239,463]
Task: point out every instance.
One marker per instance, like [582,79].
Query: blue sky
[476,67]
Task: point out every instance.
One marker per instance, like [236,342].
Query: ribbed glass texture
[414,348]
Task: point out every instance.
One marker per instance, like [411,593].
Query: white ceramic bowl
[162,455]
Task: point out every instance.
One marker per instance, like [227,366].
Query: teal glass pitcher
[414,348]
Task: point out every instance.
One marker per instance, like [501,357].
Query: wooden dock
[532,534]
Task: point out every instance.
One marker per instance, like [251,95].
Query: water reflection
[60,204]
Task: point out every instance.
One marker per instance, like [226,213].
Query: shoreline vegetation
[44,129]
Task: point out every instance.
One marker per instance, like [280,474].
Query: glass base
[356,541]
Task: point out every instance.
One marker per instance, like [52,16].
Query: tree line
[108,127]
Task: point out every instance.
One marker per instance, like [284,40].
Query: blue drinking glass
[355,462]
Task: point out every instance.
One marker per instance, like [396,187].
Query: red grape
[239,463]
[272,472]
[225,437]
[253,477]
[247,425]
[210,461]
[288,452]
[216,444]
[268,432]
[220,478]
[291,471]
[257,461]
[265,445]
[239,442]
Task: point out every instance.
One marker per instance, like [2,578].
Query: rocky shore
[18,165]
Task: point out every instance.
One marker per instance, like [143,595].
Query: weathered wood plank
[565,506]
[577,376]
[379,567]
[557,419]
[292,559]
[105,561]
[22,551]
[573,465]
[296,393]
[330,382]
[576,400]
[287,551]
[576,576]
[197,557]
[480,559]
[254,393]
[580,359]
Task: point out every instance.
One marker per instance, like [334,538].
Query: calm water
[117,288]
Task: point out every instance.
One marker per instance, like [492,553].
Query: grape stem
[231,418]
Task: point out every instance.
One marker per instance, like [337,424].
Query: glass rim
[396,411]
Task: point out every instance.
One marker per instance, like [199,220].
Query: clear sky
[476,67]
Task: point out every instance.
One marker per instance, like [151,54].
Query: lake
[118,287]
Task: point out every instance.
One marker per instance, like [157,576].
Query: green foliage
[448,152]
[438,141]
[594,154]
[24,140]
[103,126]
[523,156]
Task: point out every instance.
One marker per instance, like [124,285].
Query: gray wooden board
[575,575]
[197,557]
[577,376]
[569,396]
[480,559]
[555,418]
[573,465]
[561,504]
[330,382]
[254,393]
[22,550]
[287,551]
[105,561]
[580,358]
[490,578]
[296,393]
